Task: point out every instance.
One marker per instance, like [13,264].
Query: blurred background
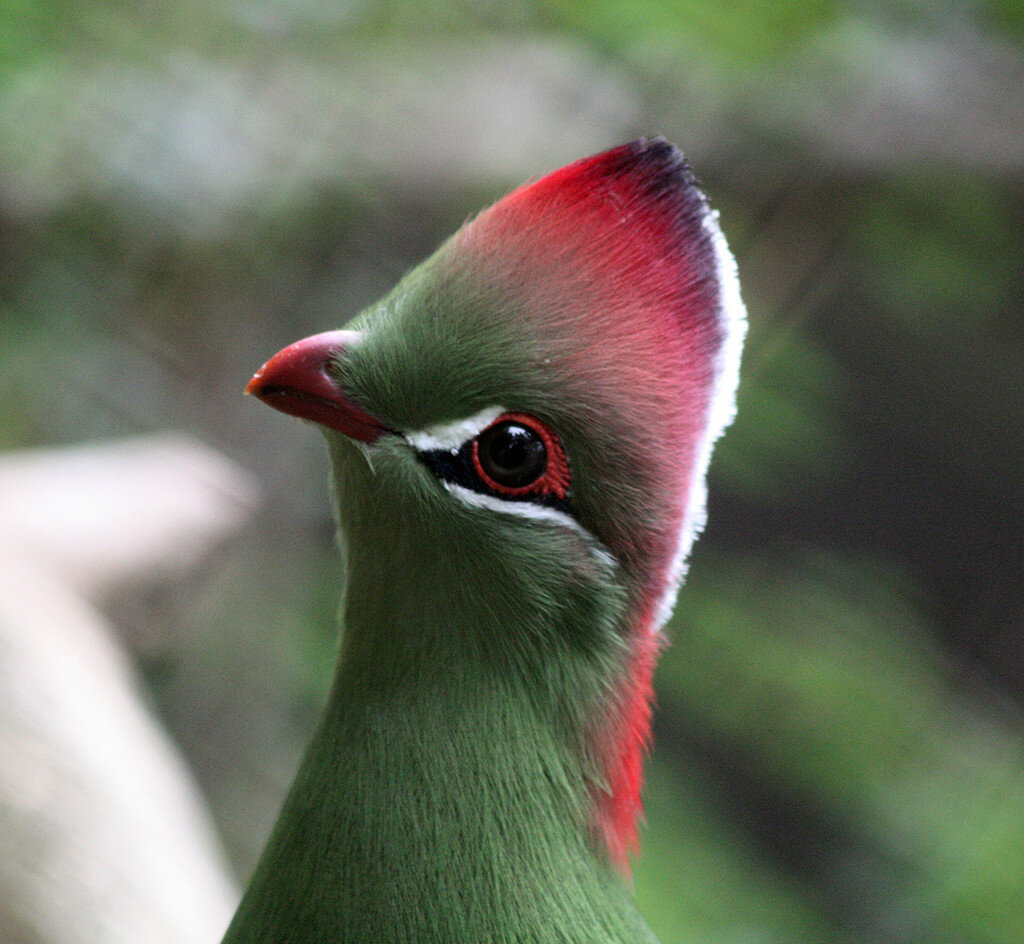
[187,187]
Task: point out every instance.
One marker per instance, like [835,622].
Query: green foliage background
[839,751]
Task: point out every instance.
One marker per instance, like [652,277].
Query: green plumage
[475,777]
[444,797]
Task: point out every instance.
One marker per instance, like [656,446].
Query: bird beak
[297,381]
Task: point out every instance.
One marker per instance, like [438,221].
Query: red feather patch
[619,266]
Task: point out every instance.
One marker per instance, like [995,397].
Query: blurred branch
[105,836]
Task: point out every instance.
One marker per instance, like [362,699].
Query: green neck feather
[447,793]
[432,818]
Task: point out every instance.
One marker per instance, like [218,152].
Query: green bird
[519,434]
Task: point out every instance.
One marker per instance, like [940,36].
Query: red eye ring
[555,477]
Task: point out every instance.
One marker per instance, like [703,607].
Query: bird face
[463,484]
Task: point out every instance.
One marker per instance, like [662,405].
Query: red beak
[297,381]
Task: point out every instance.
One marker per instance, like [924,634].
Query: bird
[519,434]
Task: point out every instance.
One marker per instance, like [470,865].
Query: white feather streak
[532,512]
[721,410]
[452,436]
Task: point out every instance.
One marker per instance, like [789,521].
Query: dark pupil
[512,455]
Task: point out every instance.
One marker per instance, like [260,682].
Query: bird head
[519,435]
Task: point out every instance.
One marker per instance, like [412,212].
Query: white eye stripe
[452,436]
[533,512]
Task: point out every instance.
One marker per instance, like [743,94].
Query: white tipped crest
[721,408]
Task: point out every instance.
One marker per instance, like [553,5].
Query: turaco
[519,434]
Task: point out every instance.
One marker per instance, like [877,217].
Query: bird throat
[447,812]
[448,793]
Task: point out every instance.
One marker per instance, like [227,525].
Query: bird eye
[510,455]
[517,455]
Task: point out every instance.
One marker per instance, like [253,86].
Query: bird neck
[441,807]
